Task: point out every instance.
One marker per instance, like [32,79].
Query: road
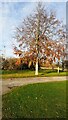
[8,84]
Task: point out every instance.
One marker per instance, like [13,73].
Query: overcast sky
[13,13]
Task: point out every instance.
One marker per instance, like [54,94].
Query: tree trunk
[58,67]
[62,65]
[37,46]
[36,69]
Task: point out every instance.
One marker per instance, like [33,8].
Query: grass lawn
[29,73]
[42,100]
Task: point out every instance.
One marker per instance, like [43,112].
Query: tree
[38,36]
[12,65]
[1,62]
[5,64]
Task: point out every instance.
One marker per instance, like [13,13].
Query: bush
[66,64]
[5,64]
[23,66]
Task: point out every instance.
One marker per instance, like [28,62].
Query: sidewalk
[8,84]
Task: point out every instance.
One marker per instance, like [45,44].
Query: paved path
[8,84]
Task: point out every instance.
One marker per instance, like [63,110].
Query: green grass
[17,74]
[29,73]
[42,100]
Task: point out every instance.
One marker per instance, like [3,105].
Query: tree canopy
[41,35]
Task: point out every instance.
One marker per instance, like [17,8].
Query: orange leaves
[17,52]
[18,62]
[41,34]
